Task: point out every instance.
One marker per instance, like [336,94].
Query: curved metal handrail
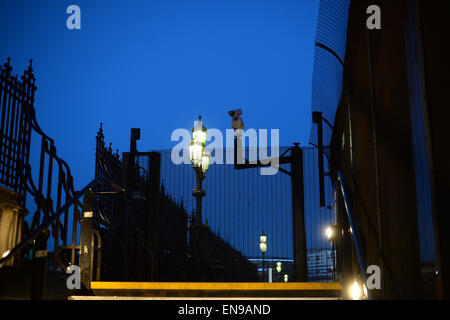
[51,219]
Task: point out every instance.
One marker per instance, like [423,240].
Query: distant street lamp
[263,247]
[199,157]
[279,270]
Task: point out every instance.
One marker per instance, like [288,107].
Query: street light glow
[205,160]
[355,291]
[329,232]
[263,246]
[195,152]
[263,238]
[263,242]
[199,132]
[278,266]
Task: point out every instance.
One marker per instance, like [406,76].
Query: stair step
[196,298]
[238,290]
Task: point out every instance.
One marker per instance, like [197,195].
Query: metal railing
[54,202]
[50,221]
[360,254]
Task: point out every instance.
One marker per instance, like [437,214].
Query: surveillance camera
[235,113]
[236,122]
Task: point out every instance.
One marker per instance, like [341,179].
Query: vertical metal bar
[99,255]
[93,249]
[66,213]
[155,176]
[7,140]
[75,220]
[57,223]
[49,177]
[5,83]
[86,239]
[22,134]
[38,273]
[14,137]
[37,215]
[26,129]
[298,215]
[355,230]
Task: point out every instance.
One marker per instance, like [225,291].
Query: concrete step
[195,298]
[102,290]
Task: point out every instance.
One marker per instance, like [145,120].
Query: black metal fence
[240,204]
[16,100]
[44,190]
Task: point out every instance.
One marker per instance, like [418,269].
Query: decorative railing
[54,203]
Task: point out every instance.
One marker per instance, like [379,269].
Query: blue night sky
[157,65]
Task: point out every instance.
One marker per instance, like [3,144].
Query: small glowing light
[329,232]
[278,266]
[263,246]
[365,290]
[199,132]
[195,152]
[263,238]
[205,160]
[285,278]
[263,242]
[355,291]
[5,253]
[350,230]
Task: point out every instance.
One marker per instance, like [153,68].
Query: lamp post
[199,157]
[279,269]
[263,247]
[295,159]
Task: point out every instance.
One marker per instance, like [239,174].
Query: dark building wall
[366,145]
[434,17]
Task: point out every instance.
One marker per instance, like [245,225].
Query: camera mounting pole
[295,159]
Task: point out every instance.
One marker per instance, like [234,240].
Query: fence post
[154,190]
[38,273]
[86,239]
[298,215]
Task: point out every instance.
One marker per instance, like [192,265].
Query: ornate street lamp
[199,157]
[263,247]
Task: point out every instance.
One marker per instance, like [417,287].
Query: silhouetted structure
[386,146]
[32,191]
[145,237]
